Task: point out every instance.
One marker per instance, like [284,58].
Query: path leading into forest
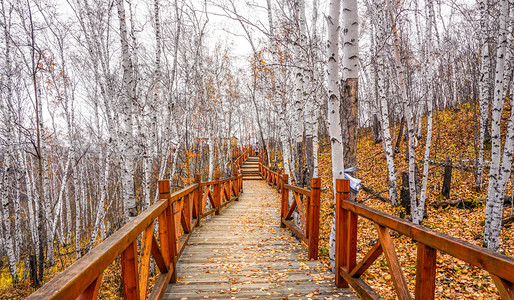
[243,253]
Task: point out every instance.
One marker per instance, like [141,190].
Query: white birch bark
[429,64]
[9,242]
[499,171]
[128,134]
[409,116]
[383,99]
[334,122]
[300,84]
[485,63]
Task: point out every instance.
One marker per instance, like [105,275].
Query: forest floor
[453,136]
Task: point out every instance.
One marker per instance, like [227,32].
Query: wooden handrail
[348,271]
[178,214]
[309,217]
[246,152]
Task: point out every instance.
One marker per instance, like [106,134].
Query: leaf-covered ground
[453,136]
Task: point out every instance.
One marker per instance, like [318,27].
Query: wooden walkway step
[244,254]
[250,169]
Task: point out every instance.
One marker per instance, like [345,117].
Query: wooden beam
[399,282]
[157,256]
[425,272]
[291,210]
[91,291]
[144,264]
[314,208]
[129,272]
[364,290]
[342,193]
[295,230]
[505,288]
[367,261]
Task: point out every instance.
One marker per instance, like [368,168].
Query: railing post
[167,230]
[342,193]
[279,181]
[285,201]
[314,215]
[198,200]
[129,272]
[425,272]
[240,181]
[217,193]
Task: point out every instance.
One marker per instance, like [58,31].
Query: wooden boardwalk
[243,253]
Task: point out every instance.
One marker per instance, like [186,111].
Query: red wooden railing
[246,152]
[306,202]
[348,271]
[178,214]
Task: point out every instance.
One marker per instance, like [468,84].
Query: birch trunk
[498,177]
[485,64]
[422,198]
[350,73]
[383,99]
[301,92]
[9,244]
[334,121]
[409,116]
[128,135]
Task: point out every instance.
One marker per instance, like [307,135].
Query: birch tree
[501,159]
[334,121]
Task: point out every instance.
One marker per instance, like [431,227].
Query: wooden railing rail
[272,177]
[177,214]
[348,271]
[246,152]
[305,202]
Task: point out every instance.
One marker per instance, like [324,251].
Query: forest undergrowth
[453,136]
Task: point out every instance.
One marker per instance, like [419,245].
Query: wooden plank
[177,217]
[351,245]
[129,272]
[399,282]
[181,193]
[203,204]
[144,264]
[367,261]
[157,256]
[164,235]
[197,202]
[364,290]
[284,202]
[217,193]
[493,262]
[291,209]
[91,291]
[159,288]
[425,272]
[186,226]
[299,207]
[299,190]
[505,288]
[173,242]
[188,209]
[342,193]
[226,191]
[313,224]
